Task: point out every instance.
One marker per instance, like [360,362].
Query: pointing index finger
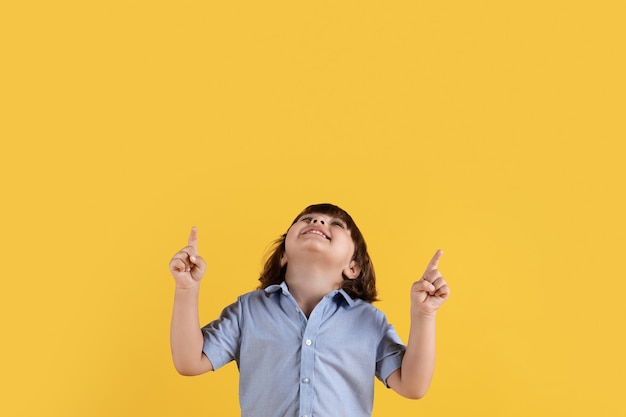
[193,238]
[432,265]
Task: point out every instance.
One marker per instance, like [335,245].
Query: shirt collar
[337,294]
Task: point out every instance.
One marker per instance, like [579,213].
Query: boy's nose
[320,220]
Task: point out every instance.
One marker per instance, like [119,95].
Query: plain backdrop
[494,130]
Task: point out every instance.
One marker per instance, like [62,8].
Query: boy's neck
[309,285]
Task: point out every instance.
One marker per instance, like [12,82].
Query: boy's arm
[413,378]
[427,295]
[186,339]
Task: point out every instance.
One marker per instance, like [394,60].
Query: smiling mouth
[316,232]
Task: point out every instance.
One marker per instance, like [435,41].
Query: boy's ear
[283,260]
[352,271]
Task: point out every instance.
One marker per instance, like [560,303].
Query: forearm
[418,363]
[185,335]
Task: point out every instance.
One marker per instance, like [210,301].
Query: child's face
[321,236]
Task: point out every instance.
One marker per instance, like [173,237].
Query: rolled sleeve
[390,354]
[222,336]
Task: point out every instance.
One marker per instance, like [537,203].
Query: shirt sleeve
[222,336]
[390,353]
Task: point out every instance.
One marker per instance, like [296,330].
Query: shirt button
[308,342]
[306,380]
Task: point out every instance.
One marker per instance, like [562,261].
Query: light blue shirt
[291,366]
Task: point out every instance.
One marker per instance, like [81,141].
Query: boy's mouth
[315,231]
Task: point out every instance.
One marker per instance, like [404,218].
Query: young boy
[309,342]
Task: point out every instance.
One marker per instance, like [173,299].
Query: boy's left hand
[430,292]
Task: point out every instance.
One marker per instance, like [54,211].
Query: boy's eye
[338,223]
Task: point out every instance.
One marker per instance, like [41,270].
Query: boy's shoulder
[253,295]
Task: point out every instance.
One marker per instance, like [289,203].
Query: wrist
[183,289]
[423,316]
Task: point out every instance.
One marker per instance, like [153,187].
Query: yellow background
[494,130]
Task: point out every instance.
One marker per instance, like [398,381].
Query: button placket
[307,358]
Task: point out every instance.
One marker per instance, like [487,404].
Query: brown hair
[363,287]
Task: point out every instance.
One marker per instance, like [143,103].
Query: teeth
[317,232]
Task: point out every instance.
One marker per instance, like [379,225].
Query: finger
[439,282]
[421,290]
[199,262]
[423,286]
[189,251]
[186,253]
[193,238]
[443,292]
[432,276]
[178,265]
[434,262]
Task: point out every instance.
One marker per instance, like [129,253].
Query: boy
[309,342]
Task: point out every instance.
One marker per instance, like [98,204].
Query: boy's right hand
[187,267]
